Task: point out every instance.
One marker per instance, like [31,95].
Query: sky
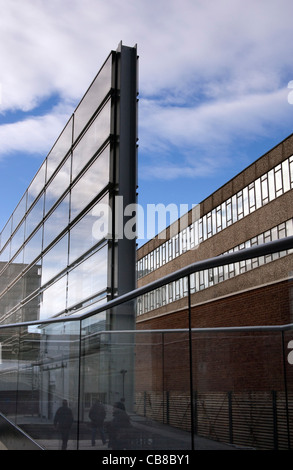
[215,78]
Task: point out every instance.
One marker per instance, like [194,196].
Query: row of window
[210,277]
[264,189]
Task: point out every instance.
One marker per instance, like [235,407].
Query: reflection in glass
[54,299]
[31,310]
[88,278]
[34,217]
[55,260]
[94,137]
[9,340]
[36,185]
[6,232]
[33,247]
[93,98]
[59,150]
[32,279]
[5,255]
[17,240]
[90,184]
[58,185]
[19,212]
[86,234]
[56,222]
[47,363]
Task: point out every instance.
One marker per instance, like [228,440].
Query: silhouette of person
[121,404]
[97,416]
[63,421]
[119,437]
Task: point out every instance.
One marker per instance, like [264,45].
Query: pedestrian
[63,421]
[97,416]
[120,429]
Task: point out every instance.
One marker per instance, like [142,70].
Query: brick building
[241,384]
[253,208]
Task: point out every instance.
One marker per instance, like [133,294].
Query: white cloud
[34,135]
[218,68]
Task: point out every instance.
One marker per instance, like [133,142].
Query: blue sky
[213,85]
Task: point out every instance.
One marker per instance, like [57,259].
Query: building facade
[59,253]
[253,208]
[60,256]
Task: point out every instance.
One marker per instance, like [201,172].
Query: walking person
[97,416]
[63,421]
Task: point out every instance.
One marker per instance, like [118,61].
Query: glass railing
[184,389]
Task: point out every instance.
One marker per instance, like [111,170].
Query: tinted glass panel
[91,183]
[88,278]
[59,150]
[89,230]
[17,240]
[36,185]
[53,299]
[93,98]
[19,212]
[57,221]
[58,185]
[33,247]
[55,260]
[34,217]
[95,136]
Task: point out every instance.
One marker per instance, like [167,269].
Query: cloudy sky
[213,82]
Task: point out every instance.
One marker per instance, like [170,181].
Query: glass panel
[32,280]
[19,212]
[88,278]
[36,185]
[34,217]
[5,256]
[94,137]
[54,299]
[48,387]
[58,185]
[31,310]
[59,150]
[6,232]
[33,247]
[91,229]
[11,271]
[91,183]
[9,341]
[55,260]
[56,222]
[17,240]
[93,98]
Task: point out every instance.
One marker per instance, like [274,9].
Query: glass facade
[52,260]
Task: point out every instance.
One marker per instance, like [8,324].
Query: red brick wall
[268,305]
